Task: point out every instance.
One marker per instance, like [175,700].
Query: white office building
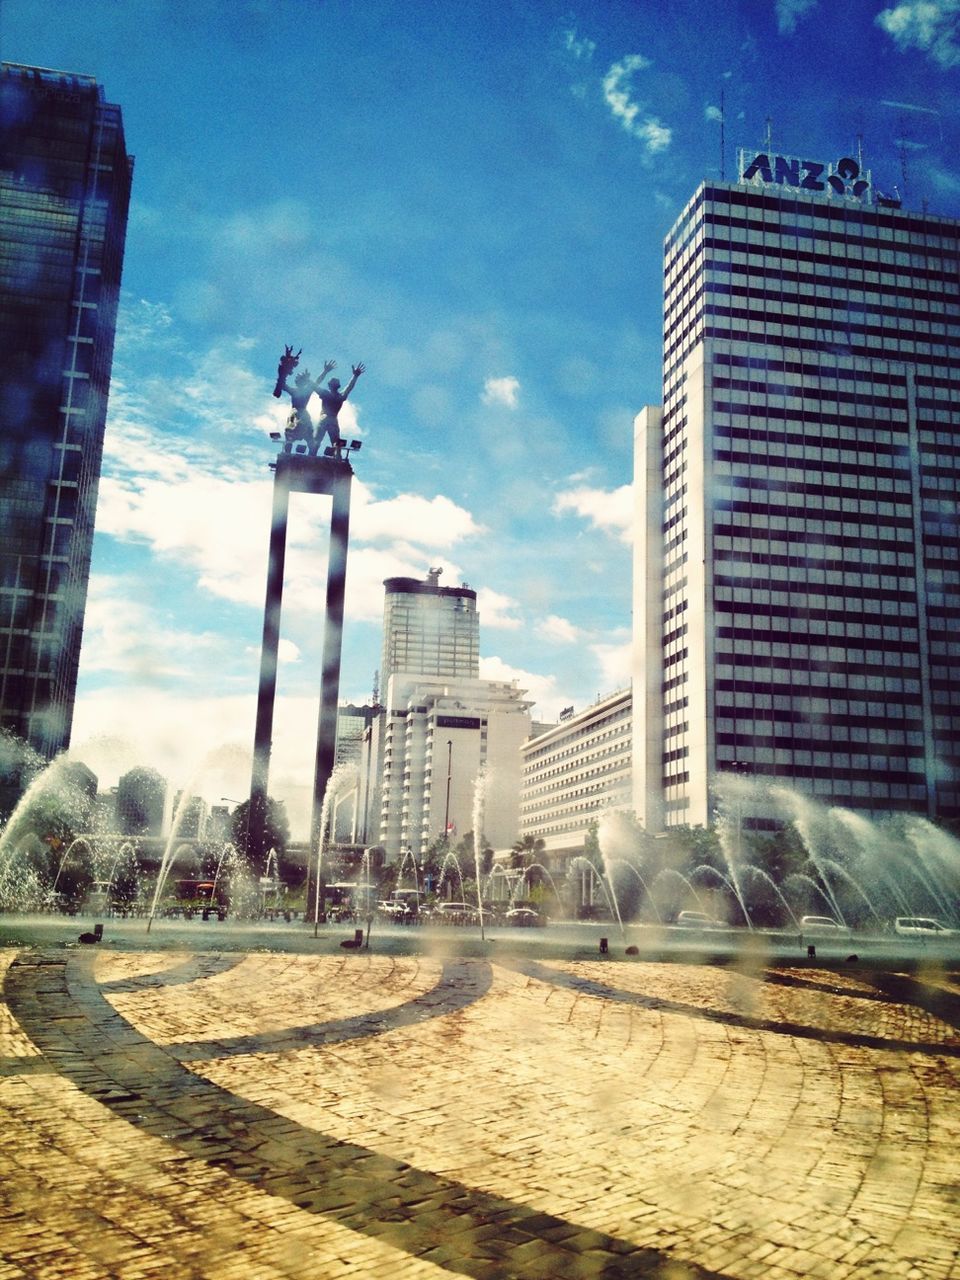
[574,772]
[439,738]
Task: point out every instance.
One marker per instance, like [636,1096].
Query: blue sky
[472,200]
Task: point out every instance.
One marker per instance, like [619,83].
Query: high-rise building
[429,629]
[797,582]
[64,191]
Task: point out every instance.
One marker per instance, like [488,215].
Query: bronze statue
[300,425]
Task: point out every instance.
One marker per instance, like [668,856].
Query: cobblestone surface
[403,1117]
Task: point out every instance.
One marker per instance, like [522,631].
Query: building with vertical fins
[797,572]
[64,192]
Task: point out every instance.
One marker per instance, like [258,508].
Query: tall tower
[797,570]
[64,191]
[429,630]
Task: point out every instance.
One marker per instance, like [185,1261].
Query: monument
[305,465]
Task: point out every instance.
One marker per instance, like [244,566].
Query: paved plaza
[407,1116]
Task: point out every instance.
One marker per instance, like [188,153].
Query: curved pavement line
[799,1030]
[59,1005]
[455,989]
[193,969]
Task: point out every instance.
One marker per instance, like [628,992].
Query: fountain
[450,859]
[343,778]
[479,799]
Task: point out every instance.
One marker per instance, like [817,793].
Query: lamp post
[446,814]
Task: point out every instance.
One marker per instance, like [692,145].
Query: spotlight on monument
[355,444]
[275,435]
[329,452]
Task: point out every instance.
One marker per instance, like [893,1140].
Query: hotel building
[64,191]
[573,772]
[797,563]
[440,736]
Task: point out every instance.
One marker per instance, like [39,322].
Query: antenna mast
[722,124]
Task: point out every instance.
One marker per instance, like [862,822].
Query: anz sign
[843,179]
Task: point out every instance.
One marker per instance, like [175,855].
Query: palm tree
[525,851]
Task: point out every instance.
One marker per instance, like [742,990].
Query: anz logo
[841,179]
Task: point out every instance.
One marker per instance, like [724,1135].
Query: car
[697,920]
[822,924]
[525,917]
[456,913]
[921,927]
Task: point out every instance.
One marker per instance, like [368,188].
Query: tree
[276,832]
[525,851]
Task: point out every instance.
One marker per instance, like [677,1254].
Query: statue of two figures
[300,425]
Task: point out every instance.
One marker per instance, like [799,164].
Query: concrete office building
[797,582]
[438,737]
[573,772]
[64,191]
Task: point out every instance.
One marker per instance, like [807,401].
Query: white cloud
[124,636]
[932,26]
[541,690]
[584,48]
[495,610]
[616,664]
[611,511]
[558,630]
[789,13]
[633,115]
[713,113]
[429,522]
[501,391]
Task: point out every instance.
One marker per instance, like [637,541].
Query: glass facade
[64,192]
[429,629]
[808,548]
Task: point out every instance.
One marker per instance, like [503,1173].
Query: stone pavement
[395,1117]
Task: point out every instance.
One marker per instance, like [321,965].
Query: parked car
[456,913]
[697,920]
[524,917]
[921,927]
[823,924]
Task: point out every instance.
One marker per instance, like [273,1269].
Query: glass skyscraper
[797,580]
[64,192]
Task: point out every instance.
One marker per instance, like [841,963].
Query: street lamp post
[446,814]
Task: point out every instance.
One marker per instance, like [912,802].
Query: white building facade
[574,772]
[439,738]
[797,552]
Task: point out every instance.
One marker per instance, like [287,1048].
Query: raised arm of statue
[357,370]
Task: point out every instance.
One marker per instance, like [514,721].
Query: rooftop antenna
[902,141]
[860,151]
[376,687]
[722,121]
[769,142]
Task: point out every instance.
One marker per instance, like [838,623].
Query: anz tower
[797,562]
